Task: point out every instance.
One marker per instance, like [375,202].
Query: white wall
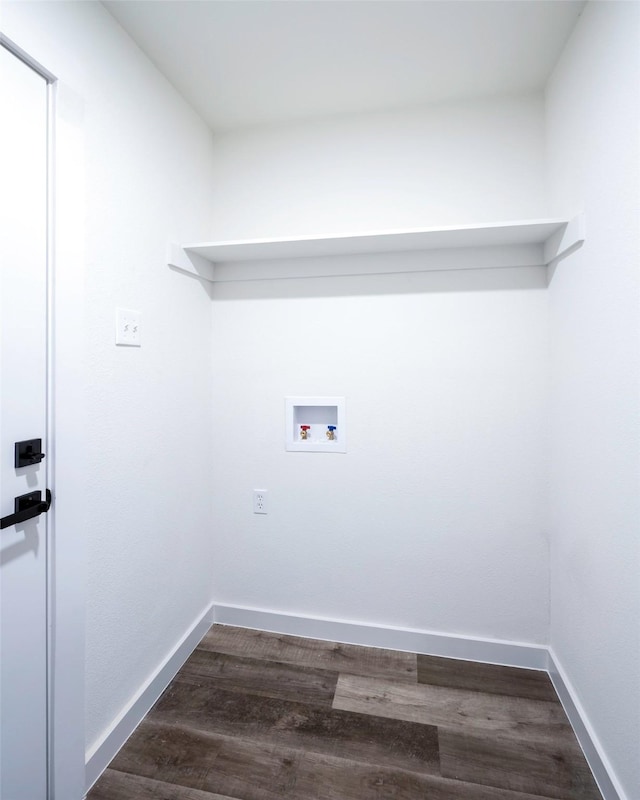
[593,117]
[435,517]
[145,512]
[446,165]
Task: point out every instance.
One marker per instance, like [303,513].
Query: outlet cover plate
[260,497]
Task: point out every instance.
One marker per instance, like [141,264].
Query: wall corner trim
[591,747]
[100,754]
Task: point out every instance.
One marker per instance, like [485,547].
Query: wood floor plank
[559,771]
[251,770]
[492,678]
[499,715]
[359,737]
[261,677]
[314,653]
[114,785]
[168,754]
[324,778]
[236,768]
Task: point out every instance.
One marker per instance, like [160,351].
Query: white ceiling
[252,62]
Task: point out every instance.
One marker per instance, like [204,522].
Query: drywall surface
[434,518]
[445,165]
[146,459]
[593,114]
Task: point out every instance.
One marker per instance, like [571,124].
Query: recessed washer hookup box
[315,425]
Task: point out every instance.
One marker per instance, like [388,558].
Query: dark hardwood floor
[260,716]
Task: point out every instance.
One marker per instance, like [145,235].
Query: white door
[23,416]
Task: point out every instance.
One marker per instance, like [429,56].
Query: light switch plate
[128,325]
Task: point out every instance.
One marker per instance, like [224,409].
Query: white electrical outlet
[128,325]
[260,501]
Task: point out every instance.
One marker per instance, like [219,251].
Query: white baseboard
[591,747]
[101,753]
[492,651]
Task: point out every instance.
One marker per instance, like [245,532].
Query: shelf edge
[381,234]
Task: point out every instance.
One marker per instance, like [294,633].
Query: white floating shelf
[551,237]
